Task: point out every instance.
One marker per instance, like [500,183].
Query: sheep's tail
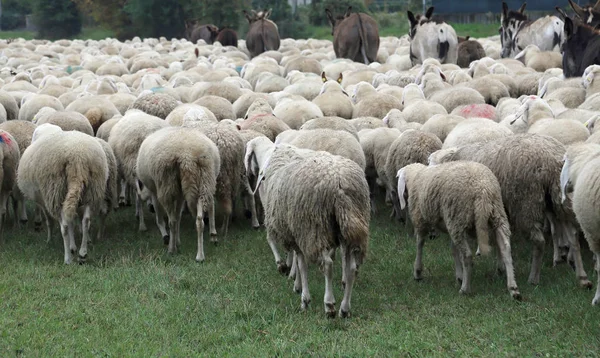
[193,176]
[364,44]
[76,181]
[484,211]
[352,214]
[444,45]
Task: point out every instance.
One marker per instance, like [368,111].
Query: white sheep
[193,159]
[62,171]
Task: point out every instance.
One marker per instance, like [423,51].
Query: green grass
[476,30]
[133,299]
[92,33]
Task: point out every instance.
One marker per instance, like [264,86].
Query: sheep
[397,119]
[231,152]
[219,106]
[539,60]
[68,121]
[370,103]
[457,197]
[333,100]
[528,169]
[103,131]
[260,118]
[416,108]
[8,175]
[412,146]
[296,112]
[476,110]
[491,89]
[366,123]
[10,105]
[62,171]
[38,101]
[125,139]
[189,157]
[333,141]
[312,214]
[111,196]
[441,124]
[457,96]
[241,105]
[591,87]
[336,123]
[375,144]
[155,104]
[175,118]
[585,207]
[575,159]
[475,130]
[85,104]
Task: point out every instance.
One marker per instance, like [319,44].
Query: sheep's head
[441,156]
[258,107]
[591,123]
[412,92]
[361,90]
[393,117]
[429,68]
[588,75]
[533,105]
[331,85]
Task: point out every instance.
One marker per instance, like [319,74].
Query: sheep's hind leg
[159,213]
[458,268]
[418,266]
[37,219]
[64,229]
[328,299]
[350,274]
[505,252]
[596,299]
[467,262]
[571,234]
[538,251]
[211,223]
[281,265]
[85,234]
[139,212]
[291,262]
[200,231]
[303,271]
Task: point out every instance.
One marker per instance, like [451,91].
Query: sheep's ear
[429,12]
[521,56]
[442,75]
[564,179]
[249,158]
[197,52]
[588,78]
[340,78]
[522,8]
[401,187]
[323,77]
[543,90]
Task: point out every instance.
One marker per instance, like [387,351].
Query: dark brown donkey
[195,32]
[263,34]
[588,14]
[227,37]
[355,36]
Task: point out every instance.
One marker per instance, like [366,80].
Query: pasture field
[133,299]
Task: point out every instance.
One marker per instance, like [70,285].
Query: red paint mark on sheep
[5,137]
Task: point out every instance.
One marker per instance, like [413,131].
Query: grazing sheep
[528,168]
[441,125]
[416,107]
[155,104]
[231,152]
[459,198]
[219,106]
[336,123]
[476,111]
[111,196]
[68,121]
[85,104]
[8,174]
[412,146]
[178,167]
[313,214]
[296,112]
[125,139]
[475,130]
[370,103]
[539,60]
[61,172]
[397,119]
[10,105]
[333,100]
[260,118]
[32,105]
[457,96]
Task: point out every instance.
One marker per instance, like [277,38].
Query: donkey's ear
[348,12]
[522,8]
[504,16]
[569,27]
[429,12]
[411,18]
[330,17]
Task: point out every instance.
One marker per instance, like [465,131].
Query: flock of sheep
[496,149]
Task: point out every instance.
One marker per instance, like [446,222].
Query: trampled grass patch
[133,299]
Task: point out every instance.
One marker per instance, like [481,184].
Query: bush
[317,15]
[389,19]
[13,13]
[56,19]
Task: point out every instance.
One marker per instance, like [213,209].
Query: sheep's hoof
[344,314]
[418,275]
[305,303]
[330,311]
[585,283]
[23,222]
[595,301]
[463,291]
[248,214]
[515,294]
[122,201]
[143,228]
[82,259]
[256,227]
[37,226]
[166,239]
[283,268]
[200,260]
[558,262]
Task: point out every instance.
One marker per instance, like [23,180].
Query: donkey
[588,14]
[227,37]
[517,31]
[355,36]
[195,32]
[431,38]
[263,34]
[580,49]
